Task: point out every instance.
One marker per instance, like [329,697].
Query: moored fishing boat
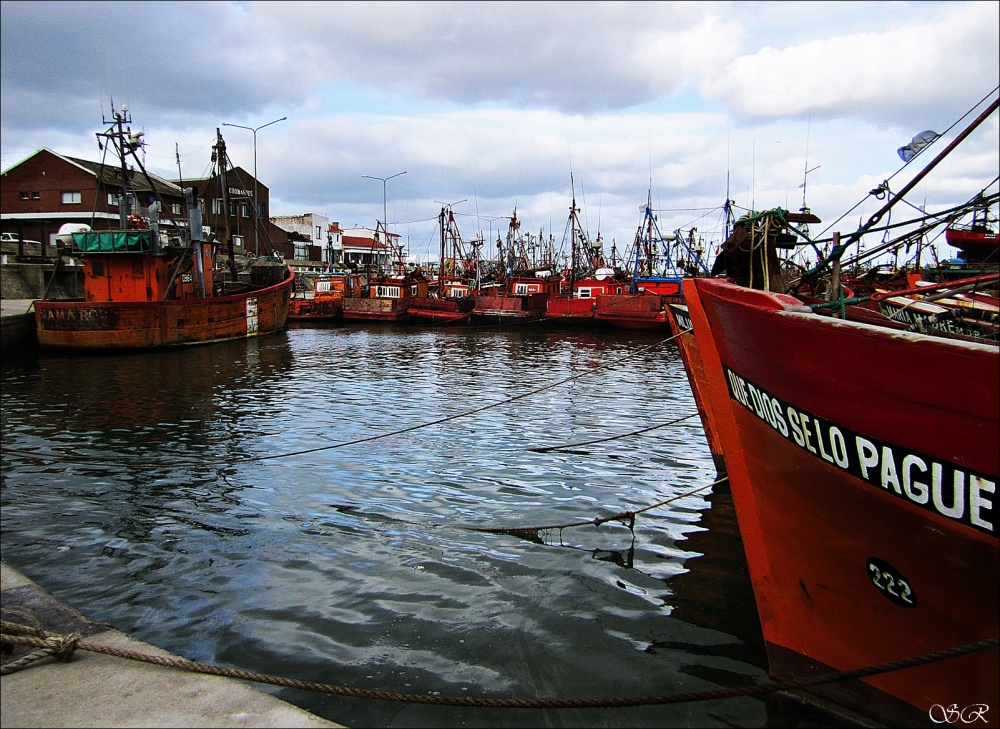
[658,270]
[523,291]
[146,290]
[587,276]
[864,482]
[578,305]
[977,240]
[679,321]
[451,297]
[385,296]
[325,302]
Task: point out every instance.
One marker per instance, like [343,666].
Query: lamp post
[256,209]
[499,217]
[385,220]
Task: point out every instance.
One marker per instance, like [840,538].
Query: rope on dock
[13,633]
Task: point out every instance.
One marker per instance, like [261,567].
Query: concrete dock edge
[97,690]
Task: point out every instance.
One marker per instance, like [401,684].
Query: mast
[219,151]
[116,137]
[123,211]
[441,264]
[574,262]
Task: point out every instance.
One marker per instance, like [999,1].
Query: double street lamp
[256,209]
[385,220]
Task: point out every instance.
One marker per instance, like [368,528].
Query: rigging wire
[906,164]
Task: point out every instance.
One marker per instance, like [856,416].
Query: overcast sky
[494,106]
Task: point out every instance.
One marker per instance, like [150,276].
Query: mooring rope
[549,449]
[625,517]
[64,646]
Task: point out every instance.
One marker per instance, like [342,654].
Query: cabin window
[521,289]
[72,198]
[387,292]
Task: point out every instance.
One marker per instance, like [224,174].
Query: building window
[175,208]
[260,210]
[25,195]
[217,205]
[72,198]
[244,210]
[237,241]
[319,233]
[37,196]
[113,198]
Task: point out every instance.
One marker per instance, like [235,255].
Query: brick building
[46,190]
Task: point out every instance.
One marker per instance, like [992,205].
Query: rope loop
[881,191]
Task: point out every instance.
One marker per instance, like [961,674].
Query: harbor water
[398,509]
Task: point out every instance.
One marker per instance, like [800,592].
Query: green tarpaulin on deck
[113,241]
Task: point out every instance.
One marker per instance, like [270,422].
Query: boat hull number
[891,583]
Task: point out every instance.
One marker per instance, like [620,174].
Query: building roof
[112,175]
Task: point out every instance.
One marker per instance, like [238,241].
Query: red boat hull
[315,309]
[440,311]
[375,309]
[123,325]
[632,311]
[687,345]
[570,310]
[863,465]
[509,307]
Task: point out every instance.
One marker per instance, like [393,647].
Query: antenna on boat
[804,227]
[180,177]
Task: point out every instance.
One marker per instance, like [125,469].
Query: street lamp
[256,209]
[483,217]
[385,220]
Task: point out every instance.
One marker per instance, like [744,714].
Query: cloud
[498,103]
[886,77]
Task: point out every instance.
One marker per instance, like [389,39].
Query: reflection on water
[281,505]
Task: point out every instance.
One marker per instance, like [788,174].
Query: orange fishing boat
[451,297]
[977,240]
[325,302]
[687,345]
[587,277]
[863,462]
[579,305]
[523,290]
[658,271]
[146,290]
[385,296]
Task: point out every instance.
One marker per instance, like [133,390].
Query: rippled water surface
[312,505]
